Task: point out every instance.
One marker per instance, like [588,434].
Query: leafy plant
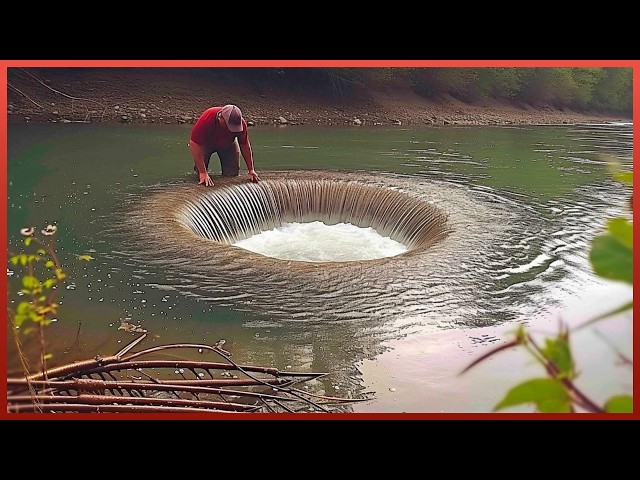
[606,89]
[611,257]
[43,275]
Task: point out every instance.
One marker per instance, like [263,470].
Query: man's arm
[198,159]
[247,154]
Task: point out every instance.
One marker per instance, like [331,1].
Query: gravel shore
[177,95]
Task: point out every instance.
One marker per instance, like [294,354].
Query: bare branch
[58,91]
[493,351]
[24,95]
[105,384]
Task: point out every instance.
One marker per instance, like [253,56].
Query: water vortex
[181,235]
[232,213]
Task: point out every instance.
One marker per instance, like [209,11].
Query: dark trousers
[229,160]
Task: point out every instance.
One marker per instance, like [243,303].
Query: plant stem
[554,372]
[43,360]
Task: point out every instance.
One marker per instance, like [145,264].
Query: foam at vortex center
[318,242]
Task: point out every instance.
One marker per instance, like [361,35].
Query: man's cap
[233,117]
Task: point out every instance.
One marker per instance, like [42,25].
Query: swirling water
[521,206]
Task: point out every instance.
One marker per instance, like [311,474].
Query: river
[522,205]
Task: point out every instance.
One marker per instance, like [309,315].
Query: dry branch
[123,383]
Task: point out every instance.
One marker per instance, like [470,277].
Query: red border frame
[5,64]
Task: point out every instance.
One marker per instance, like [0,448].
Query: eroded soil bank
[179,95]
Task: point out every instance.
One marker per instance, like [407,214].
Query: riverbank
[179,95]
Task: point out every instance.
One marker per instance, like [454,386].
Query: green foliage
[611,257]
[43,275]
[554,86]
[558,353]
[600,89]
[41,293]
[39,284]
[625,177]
[611,253]
[547,394]
[462,83]
[585,80]
[619,404]
[500,82]
[614,91]
[607,89]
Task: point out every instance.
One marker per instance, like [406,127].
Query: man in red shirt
[224,131]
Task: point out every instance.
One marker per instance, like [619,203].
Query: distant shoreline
[172,96]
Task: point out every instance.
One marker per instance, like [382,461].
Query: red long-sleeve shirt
[213,135]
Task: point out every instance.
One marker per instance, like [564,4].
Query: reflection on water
[521,204]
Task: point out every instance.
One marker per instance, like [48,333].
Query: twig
[98,385]
[72,98]
[43,355]
[24,95]
[23,360]
[84,408]
[284,407]
[553,371]
[332,399]
[126,349]
[493,351]
[58,91]
[76,343]
[291,392]
[623,308]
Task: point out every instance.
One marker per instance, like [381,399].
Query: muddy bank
[179,95]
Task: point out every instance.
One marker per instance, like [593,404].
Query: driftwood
[124,383]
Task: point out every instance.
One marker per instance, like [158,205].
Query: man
[224,131]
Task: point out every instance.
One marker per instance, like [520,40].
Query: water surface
[523,204]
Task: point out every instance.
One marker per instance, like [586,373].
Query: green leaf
[625,177]
[19,319]
[49,283]
[23,259]
[50,264]
[521,334]
[611,258]
[85,257]
[28,240]
[547,394]
[30,282]
[622,229]
[559,353]
[24,307]
[41,251]
[15,259]
[619,404]
[48,356]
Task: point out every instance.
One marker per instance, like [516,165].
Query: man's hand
[254,176]
[205,179]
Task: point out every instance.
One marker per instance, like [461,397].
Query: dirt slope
[179,95]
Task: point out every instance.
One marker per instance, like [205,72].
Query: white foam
[318,242]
